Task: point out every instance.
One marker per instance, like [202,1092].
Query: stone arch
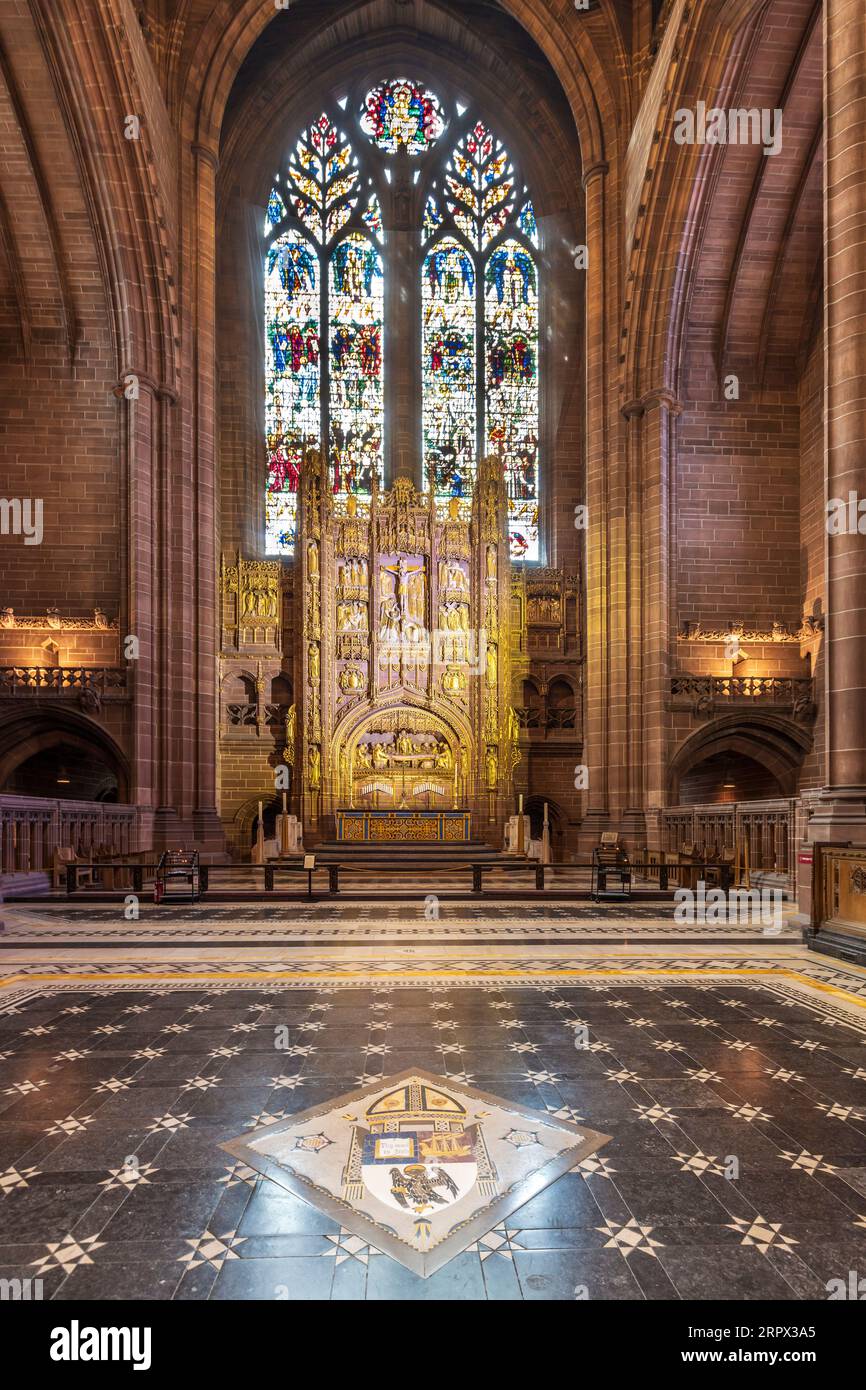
[583,54]
[274,100]
[246,815]
[28,734]
[253,146]
[557,819]
[776,744]
[710,57]
[237,685]
[282,689]
[453,725]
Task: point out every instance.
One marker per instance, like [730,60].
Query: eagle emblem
[437,1168]
[413,1186]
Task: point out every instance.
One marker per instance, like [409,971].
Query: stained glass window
[401,114]
[481,287]
[511,386]
[318,235]
[480,185]
[326,260]
[526,222]
[448,366]
[323,179]
[432,217]
[356,402]
[293,384]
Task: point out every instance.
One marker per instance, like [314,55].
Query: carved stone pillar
[650,443]
[842,815]
[142,603]
[203,569]
[597,499]
[402,340]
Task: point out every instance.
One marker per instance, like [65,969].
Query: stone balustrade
[717,827]
[104,682]
[702,694]
[31,828]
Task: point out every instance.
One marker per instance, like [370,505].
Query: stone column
[402,338]
[143,598]
[204,564]
[843,813]
[597,500]
[650,638]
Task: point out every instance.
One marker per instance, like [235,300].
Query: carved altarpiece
[403,671]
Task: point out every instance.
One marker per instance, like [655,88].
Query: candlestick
[545,838]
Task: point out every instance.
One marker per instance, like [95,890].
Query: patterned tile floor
[733,1084]
[519,920]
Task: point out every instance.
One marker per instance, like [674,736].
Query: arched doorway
[726,777]
[556,825]
[400,756]
[65,771]
[63,757]
[741,759]
[243,831]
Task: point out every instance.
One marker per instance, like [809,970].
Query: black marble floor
[737,1167]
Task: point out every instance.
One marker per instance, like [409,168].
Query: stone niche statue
[492,766]
[315,768]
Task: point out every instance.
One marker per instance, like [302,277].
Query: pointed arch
[480,328]
[324,324]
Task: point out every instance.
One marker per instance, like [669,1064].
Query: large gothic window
[475,308]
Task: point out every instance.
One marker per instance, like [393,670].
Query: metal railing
[465,879]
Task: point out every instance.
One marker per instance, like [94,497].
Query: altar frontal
[405,826]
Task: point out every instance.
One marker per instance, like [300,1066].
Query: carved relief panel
[405,663]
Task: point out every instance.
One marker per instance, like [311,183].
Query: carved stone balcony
[704,695]
[90,685]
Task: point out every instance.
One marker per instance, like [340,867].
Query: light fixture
[62,778]
[728,784]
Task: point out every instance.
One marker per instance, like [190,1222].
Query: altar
[404,674]
[408,827]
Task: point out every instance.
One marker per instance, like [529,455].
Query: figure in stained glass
[402,114]
[325,263]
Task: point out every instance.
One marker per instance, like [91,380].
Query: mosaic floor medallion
[415,1164]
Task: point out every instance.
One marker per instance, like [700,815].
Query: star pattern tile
[690,1057]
